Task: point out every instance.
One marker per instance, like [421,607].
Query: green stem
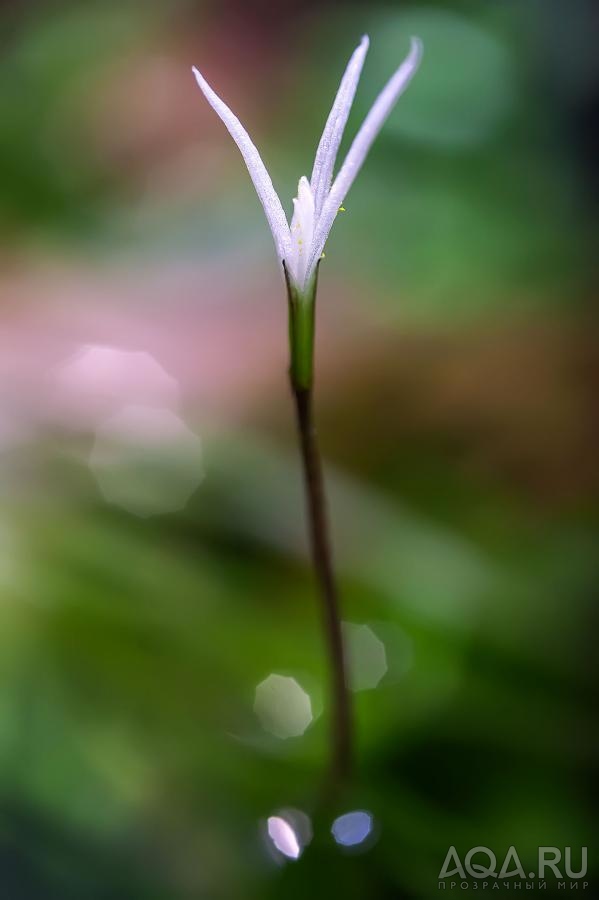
[301,338]
[301,333]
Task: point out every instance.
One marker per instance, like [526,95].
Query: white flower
[318,201]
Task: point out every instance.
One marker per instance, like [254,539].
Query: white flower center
[302,231]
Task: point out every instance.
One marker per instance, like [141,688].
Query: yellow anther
[323,255]
[342,209]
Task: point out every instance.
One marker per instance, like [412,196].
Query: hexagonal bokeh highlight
[283,837]
[99,380]
[289,832]
[146,460]
[366,656]
[352,828]
[283,706]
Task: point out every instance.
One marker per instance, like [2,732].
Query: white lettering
[551,863]
[518,870]
[475,869]
[452,854]
[583,863]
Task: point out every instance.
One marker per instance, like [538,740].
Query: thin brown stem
[323,566]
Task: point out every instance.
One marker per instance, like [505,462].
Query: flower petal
[363,141]
[324,163]
[302,229]
[258,172]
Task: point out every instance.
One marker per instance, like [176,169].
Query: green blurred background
[153,568]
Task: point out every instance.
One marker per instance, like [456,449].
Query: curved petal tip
[416,48]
